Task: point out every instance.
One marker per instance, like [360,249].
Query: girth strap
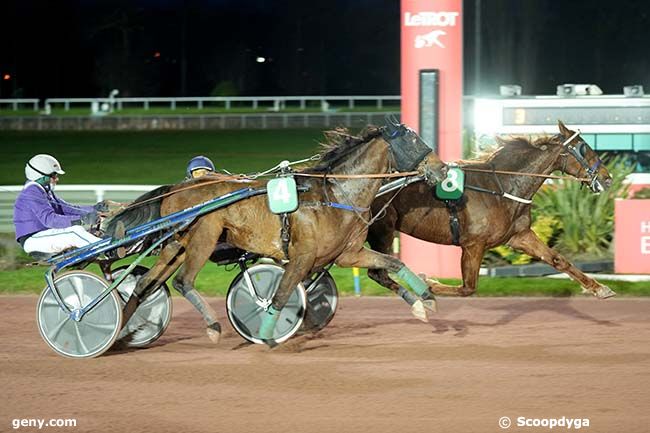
[285,234]
[454,222]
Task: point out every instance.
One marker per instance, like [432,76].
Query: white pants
[57,240]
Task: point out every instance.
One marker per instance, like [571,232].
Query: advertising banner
[632,237]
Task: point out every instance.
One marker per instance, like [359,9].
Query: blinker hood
[408,148]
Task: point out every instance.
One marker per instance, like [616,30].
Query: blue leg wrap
[269,320]
[414,282]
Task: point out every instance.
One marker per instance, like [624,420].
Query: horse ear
[563,129]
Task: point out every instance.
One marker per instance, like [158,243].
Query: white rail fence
[76,194]
[275,103]
[271,103]
[15,104]
[194,121]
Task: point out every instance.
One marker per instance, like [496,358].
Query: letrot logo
[430,19]
[430,39]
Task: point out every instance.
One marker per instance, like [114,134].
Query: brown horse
[321,232]
[487,220]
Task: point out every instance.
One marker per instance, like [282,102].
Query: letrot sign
[432,40]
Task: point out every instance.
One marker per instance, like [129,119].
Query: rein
[517,173]
[199,185]
[252,178]
[360,176]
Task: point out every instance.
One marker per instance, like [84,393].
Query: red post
[432,38]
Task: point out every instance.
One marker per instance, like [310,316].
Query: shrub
[642,194]
[586,219]
[545,227]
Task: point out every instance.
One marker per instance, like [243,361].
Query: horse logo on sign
[430,39]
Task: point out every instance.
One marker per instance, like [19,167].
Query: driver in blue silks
[199,166]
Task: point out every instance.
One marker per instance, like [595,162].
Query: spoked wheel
[97,329]
[322,301]
[152,316]
[245,309]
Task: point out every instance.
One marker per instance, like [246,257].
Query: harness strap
[499,194]
[285,234]
[454,222]
[316,203]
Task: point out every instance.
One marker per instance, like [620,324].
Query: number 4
[281,192]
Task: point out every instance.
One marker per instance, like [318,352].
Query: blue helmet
[197,163]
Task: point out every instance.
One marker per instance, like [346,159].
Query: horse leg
[171,258]
[528,242]
[470,266]
[202,246]
[294,272]
[367,258]
[380,238]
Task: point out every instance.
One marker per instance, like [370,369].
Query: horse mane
[339,143]
[136,214]
[513,144]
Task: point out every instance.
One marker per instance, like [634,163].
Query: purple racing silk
[37,208]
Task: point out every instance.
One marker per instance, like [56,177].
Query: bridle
[579,154]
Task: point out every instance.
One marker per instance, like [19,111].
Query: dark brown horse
[319,233]
[487,220]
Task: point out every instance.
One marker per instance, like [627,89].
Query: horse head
[580,160]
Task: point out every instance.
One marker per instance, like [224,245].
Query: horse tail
[137,214]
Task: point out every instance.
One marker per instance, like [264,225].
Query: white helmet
[42,165]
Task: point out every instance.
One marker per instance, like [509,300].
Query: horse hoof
[419,311]
[604,292]
[431,305]
[431,282]
[214,332]
[271,343]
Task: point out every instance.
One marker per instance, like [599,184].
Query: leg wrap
[268,323]
[199,303]
[406,295]
[418,286]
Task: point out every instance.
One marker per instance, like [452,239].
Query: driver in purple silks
[44,222]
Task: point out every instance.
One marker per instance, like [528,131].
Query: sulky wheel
[97,329]
[322,300]
[245,312]
[152,316]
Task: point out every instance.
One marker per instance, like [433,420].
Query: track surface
[374,369]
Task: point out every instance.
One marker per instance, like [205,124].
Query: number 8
[451,182]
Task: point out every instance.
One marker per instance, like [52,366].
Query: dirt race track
[374,369]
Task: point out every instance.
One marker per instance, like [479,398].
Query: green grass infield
[214,281]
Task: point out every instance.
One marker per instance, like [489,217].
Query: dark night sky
[85,48]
